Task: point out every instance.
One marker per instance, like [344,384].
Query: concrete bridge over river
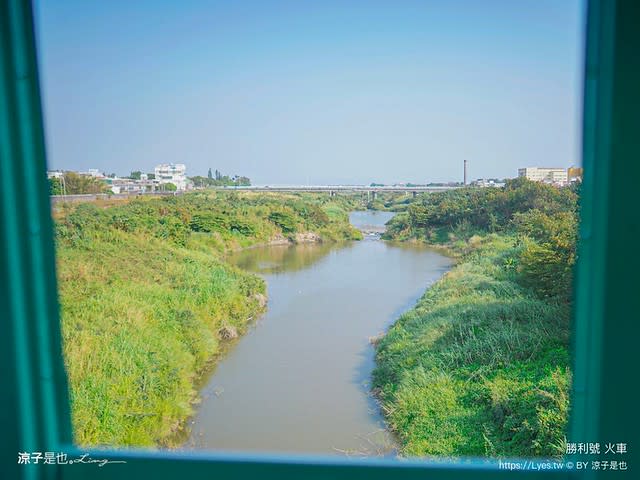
[330,189]
[334,189]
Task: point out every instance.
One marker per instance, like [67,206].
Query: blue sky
[312,91]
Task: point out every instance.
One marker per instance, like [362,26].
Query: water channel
[298,381]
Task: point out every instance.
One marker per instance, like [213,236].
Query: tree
[135,175]
[55,186]
[545,271]
[151,176]
[209,175]
[169,187]
[220,180]
[78,184]
[546,263]
[283,219]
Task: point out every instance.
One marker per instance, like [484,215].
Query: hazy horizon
[312,93]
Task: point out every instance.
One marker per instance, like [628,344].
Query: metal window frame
[35,408]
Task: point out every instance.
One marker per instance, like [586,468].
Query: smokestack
[465,172]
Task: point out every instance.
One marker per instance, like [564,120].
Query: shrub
[284,220]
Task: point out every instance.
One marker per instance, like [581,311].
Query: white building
[126,185]
[557,176]
[55,174]
[481,182]
[172,173]
[92,172]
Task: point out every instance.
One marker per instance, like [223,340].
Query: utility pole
[64,187]
[465,172]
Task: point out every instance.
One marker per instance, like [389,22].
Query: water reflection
[370,222]
[282,258]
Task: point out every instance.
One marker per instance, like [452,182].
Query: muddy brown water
[299,380]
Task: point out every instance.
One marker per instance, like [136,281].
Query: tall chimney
[465,172]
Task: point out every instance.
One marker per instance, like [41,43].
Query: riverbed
[298,381]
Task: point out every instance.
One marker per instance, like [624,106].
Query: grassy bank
[481,365]
[148,300]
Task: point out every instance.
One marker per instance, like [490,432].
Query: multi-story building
[557,176]
[172,173]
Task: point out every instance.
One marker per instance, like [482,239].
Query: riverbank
[148,301]
[480,366]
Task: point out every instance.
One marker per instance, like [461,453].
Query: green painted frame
[35,410]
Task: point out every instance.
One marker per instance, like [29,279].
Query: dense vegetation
[73,183]
[217,179]
[480,366]
[148,301]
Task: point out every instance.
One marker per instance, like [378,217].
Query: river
[298,381]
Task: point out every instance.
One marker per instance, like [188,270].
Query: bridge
[330,189]
[333,189]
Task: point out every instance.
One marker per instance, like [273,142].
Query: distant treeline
[543,217]
[217,179]
[72,183]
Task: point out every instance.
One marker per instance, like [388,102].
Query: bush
[491,209]
[545,271]
[209,222]
[284,220]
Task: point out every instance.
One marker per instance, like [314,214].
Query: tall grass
[140,321]
[480,366]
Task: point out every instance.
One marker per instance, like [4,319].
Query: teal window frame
[34,411]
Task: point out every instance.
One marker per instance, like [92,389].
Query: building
[55,174]
[123,185]
[92,172]
[574,174]
[489,182]
[126,185]
[172,173]
[556,176]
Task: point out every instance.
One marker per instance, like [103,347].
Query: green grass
[480,366]
[140,321]
[147,301]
